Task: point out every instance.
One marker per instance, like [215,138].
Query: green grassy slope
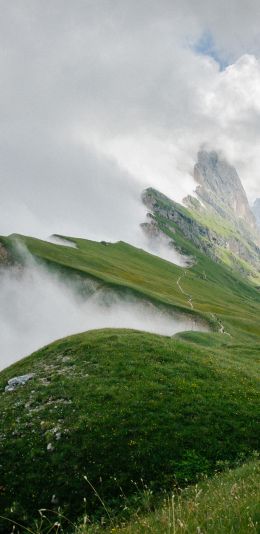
[125,406]
[213,287]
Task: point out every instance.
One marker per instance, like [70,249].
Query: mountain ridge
[226,232]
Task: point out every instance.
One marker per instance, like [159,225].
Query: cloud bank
[37,307]
[101,99]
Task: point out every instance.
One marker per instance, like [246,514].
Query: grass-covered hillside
[217,294]
[227,503]
[128,409]
[123,408]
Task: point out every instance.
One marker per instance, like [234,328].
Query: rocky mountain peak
[220,188]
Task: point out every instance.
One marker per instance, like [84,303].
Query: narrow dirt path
[189,300]
[221,326]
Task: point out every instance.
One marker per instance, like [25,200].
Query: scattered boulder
[18,381]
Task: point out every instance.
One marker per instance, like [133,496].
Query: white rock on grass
[18,381]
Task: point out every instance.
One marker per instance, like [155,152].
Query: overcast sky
[101,98]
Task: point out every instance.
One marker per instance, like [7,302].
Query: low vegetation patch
[227,503]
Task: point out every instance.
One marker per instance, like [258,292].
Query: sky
[102,98]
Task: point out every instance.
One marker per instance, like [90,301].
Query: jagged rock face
[169,210]
[221,188]
[219,221]
[238,245]
[256,211]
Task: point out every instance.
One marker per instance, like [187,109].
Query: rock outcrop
[18,381]
[220,188]
[218,220]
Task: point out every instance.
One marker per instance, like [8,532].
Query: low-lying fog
[37,307]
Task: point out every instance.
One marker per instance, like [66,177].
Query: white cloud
[101,99]
[37,307]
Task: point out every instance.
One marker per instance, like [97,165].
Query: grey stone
[18,381]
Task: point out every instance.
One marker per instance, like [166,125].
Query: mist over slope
[38,306]
[256,211]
